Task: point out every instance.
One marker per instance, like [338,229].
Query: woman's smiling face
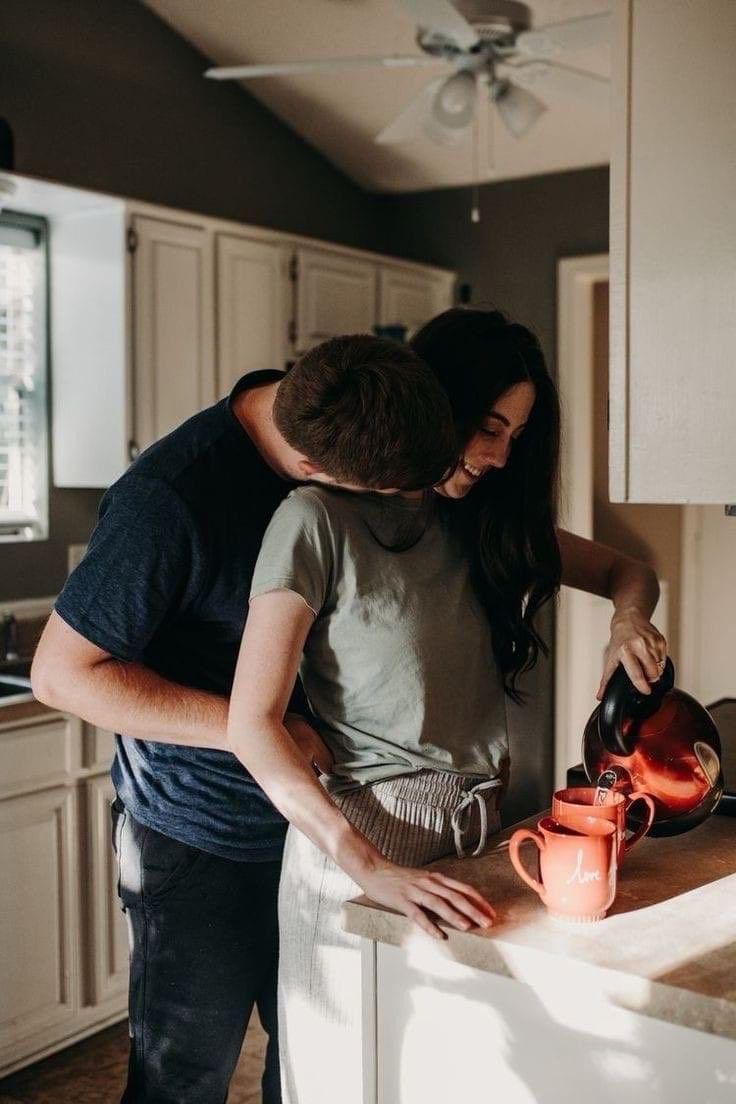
[491,443]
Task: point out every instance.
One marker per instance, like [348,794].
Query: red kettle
[664,742]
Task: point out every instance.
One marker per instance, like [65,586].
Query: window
[23,372]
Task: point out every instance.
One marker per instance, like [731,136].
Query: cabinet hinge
[292,331]
[132,239]
[293,268]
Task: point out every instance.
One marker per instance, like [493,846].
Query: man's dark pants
[204,945]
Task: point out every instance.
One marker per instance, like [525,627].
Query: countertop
[667,948]
[24,711]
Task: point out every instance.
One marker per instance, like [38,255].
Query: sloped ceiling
[340,112]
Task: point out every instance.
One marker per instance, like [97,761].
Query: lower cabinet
[63,966]
[108,944]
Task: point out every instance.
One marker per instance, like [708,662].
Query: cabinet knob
[133,450]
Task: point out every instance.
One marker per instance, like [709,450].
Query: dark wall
[510,259]
[510,256]
[102,94]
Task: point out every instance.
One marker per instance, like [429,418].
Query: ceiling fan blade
[412,118]
[247,72]
[547,77]
[572,34]
[440,16]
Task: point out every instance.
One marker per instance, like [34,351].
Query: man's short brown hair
[368,411]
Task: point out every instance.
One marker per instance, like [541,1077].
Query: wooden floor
[93,1072]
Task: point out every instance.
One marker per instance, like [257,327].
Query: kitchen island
[639,1007]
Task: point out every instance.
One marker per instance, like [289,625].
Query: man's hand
[421,894]
[309,743]
[637,644]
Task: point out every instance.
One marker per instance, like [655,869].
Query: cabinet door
[39,976]
[673,243]
[253,308]
[408,298]
[173,323]
[107,950]
[335,295]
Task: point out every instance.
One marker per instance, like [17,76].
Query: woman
[416,618]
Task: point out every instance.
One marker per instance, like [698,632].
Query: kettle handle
[622,702]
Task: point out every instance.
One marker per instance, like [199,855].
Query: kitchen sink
[20,667]
[15,685]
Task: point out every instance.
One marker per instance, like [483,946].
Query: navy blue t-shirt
[165,582]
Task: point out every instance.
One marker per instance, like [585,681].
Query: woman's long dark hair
[507,521]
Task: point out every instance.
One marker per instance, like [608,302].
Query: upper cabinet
[155,313]
[673,250]
[409,297]
[173,326]
[253,307]
[336,294]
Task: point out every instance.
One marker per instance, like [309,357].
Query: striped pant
[410,820]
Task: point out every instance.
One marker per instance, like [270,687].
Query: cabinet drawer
[36,755]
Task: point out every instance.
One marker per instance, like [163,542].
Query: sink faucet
[10,638]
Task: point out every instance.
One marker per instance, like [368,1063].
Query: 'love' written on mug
[577,866]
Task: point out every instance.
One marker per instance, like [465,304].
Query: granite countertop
[667,948]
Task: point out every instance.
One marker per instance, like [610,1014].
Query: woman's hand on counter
[421,894]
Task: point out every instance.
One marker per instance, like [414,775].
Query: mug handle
[519,837]
[640,795]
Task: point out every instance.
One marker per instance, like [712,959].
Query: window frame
[22,532]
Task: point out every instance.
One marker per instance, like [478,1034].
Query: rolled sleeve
[296,553]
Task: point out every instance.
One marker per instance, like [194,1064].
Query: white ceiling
[341,112]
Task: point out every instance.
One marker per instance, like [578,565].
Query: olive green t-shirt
[398,666]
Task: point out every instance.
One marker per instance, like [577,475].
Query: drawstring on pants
[460,819]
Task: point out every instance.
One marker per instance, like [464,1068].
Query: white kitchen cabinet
[336,294]
[156,312]
[132,331]
[64,961]
[409,297]
[39,920]
[173,326]
[254,307]
[673,244]
[107,946]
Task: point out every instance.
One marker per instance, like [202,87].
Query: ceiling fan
[488,44]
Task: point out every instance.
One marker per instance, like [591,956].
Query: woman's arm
[633,588]
[276,629]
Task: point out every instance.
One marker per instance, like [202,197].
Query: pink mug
[577,864]
[572,804]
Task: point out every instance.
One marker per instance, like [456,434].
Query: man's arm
[275,633]
[633,588]
[73,675]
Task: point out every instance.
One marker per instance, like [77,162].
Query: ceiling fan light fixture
[518,108]
[454,103]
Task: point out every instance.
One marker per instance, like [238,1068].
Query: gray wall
[510,259]
[102,94]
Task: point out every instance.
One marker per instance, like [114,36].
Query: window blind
[23,444]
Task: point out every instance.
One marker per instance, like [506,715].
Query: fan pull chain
[475,194]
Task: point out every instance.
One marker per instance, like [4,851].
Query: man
[144,640]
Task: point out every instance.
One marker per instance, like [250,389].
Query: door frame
[576,277]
